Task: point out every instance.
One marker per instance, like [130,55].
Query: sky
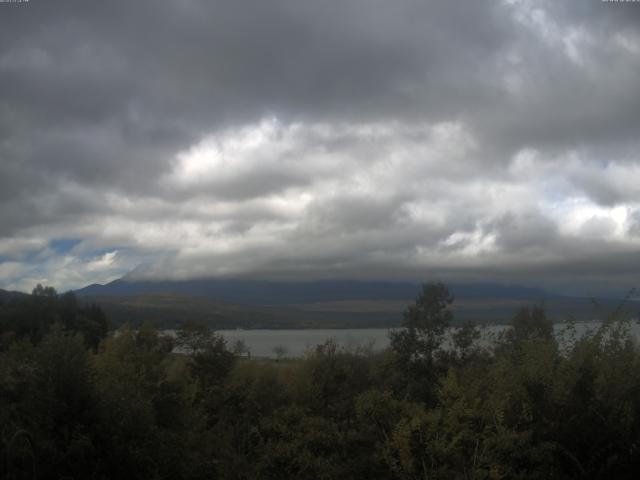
[355,139]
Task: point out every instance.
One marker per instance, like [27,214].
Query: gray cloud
[351,138]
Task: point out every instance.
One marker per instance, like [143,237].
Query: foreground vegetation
[78,403]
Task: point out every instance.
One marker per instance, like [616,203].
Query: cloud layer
[356,138]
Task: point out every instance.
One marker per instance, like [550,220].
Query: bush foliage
[78,402]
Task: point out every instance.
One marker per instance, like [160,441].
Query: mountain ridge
[289,292]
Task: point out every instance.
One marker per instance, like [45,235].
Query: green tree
[531,322]
[418,343]
[464,342]
[424,323]
[194,337]
[40,291]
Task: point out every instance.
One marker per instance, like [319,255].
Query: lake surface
[295,343]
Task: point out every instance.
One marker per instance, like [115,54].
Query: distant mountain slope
[316,304]
[8,295]
[276,293]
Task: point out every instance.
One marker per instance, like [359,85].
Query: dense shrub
[129,406]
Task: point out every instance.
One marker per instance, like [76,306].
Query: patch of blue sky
[32,256]
[64,245]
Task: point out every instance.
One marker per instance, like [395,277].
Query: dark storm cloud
[215,62]
[351,137]
[519,234]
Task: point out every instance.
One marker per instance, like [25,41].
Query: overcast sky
[464,140]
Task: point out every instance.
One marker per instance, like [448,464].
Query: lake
[263,343]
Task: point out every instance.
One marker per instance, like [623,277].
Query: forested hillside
[229,303]
[77,401]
